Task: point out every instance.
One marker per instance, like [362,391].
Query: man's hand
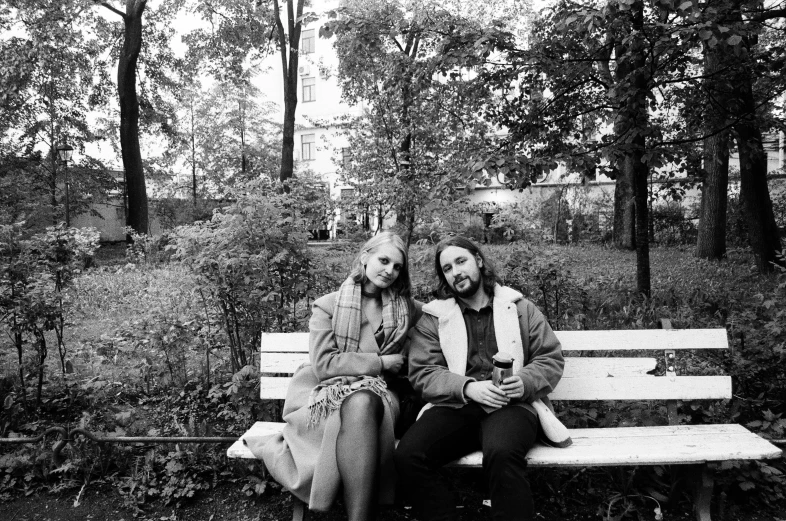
[513,386]
[392,363]
[486,393]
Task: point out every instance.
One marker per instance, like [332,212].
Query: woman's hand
[392,363]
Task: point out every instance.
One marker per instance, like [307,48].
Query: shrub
[736,227]
[672,226]
[543,276]
[173,212]
[34,274]
[518,221]
[251,265]
[147,249]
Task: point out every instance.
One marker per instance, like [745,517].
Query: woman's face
[383,266]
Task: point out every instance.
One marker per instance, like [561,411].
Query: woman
[340,411]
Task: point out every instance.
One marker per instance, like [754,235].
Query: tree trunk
[137,217]
[763,234]
[19,344]
[42,352]
[643,285]
[241,106]
[404,160]
[289,63]
[638,116]
[193,156]
[711,242]
[624,231]
[288,141]
[54,157]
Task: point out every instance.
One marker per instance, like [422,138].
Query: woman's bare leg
[357,452]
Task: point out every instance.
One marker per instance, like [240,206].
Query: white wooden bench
[594,376]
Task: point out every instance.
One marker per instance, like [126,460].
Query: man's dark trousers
[445,434]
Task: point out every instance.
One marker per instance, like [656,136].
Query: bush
[543,277]
[672,226]
[518,221]
[172,213]
[147,249]
[252,267]
[34,276]
[736,227]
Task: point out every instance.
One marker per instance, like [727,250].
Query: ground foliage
[151,356]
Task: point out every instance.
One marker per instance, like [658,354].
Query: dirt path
[105,504]
[228,503]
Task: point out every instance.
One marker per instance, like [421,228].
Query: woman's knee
[362,406]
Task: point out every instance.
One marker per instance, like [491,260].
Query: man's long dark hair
[488,274]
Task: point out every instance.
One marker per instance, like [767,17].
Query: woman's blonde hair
[402,285]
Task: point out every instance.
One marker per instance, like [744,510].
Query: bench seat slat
[610,340]
[287,363]
[617,446]
[617,388]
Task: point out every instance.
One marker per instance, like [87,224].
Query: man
[450,364]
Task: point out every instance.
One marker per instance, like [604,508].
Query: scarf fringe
[325,399]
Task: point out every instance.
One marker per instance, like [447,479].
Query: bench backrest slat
[632,388]
[643,339]
[613,340]
[284,343]
[582,389]
[585,377]
[600,367]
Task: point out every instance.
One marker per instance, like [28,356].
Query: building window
[307,41]
[346,157]
[309,89]
[307,147]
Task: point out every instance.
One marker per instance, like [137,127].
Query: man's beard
[468,291]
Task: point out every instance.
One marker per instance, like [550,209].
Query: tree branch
[768,15]
[114,10]
[282,43]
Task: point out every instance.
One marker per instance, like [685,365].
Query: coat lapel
[506,325]
[454,347]
[453,333]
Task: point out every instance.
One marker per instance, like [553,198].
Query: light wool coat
[302,458]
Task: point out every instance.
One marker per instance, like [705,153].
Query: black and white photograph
[392,260]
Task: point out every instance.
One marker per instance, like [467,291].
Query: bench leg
[702,492]
[299,510]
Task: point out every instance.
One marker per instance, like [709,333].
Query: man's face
[461,270]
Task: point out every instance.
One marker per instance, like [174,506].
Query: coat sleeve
[417,312]
[545,363]
[428,369]
[326,360]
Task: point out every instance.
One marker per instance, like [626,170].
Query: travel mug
[503,368]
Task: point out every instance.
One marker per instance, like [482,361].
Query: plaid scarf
[347,316]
